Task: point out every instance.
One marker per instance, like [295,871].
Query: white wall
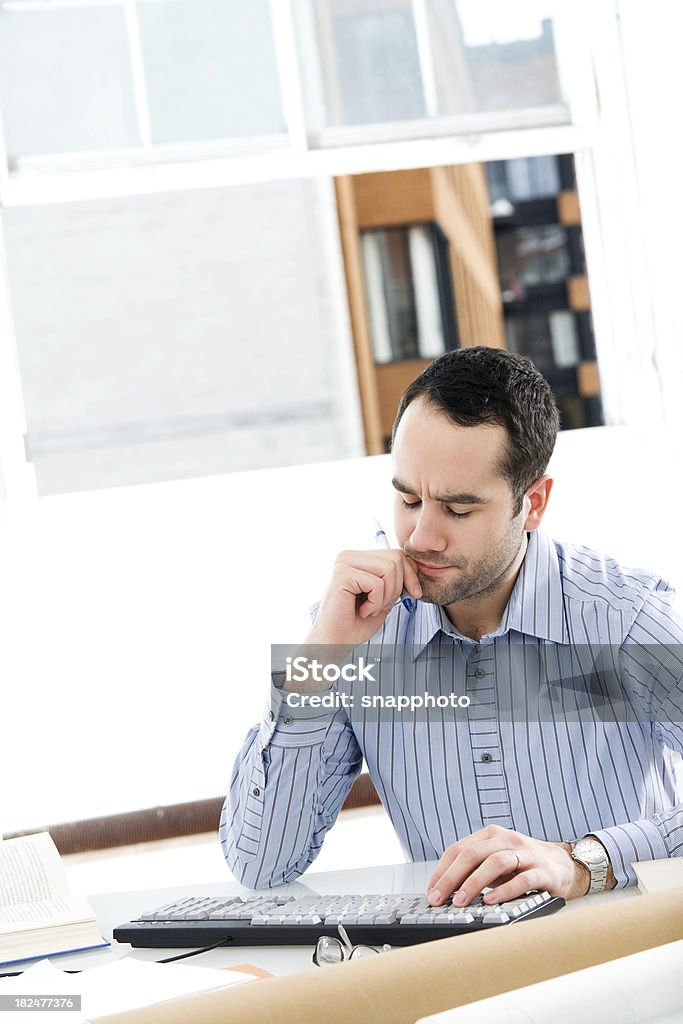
[137,621]
[177,335]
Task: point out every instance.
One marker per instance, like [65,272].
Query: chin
[435,595]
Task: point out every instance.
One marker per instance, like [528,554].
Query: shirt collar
[535,608]
[536,605]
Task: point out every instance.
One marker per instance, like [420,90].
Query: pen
[409,603]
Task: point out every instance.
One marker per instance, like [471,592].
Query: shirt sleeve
[651,660]
[288,784]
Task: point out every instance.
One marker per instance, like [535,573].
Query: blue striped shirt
[553,776]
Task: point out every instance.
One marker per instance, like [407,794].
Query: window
[544,288]
[525,178]
[407,282]
[156,80]
[531,256]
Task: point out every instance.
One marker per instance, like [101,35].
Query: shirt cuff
[629,843]
[289,723]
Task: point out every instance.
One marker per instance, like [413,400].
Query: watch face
[589,852]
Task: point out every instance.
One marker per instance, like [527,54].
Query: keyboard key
[522,908]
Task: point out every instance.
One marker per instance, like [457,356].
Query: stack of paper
[125,984]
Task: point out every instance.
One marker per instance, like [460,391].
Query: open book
[38,915]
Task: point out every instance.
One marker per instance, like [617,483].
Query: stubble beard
[476,579]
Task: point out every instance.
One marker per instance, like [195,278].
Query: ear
[536,502]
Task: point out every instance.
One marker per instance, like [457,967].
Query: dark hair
[490,385]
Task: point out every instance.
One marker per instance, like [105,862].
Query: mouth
[433,570]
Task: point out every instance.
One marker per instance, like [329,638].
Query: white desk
[118,908]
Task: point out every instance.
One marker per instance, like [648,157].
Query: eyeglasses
[331,950]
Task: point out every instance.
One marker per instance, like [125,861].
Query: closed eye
[451,512]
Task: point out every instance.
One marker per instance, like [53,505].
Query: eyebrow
[456,498]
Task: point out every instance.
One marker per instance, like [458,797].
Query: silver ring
[516,867]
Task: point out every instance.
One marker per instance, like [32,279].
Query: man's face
[453,509]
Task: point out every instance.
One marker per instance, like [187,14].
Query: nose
[429,533]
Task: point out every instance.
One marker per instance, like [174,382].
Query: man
[559,774]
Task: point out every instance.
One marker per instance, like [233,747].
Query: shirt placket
[484,726]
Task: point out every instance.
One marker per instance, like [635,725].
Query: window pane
[577,412]
[531,256]
[65,81]
[378,64]
[391,298]
[523,179]
[405,269]
[369,60]
[493,55]
[210,69]
[550,340]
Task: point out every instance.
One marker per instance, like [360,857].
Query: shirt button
[479,673]
[271,716]
[287,719]
[256,791]
[487,758]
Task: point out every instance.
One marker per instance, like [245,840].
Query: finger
[385,565]
[449,855]
[379,562]
[406,566]
[496,865]
[445,861]
[410,577]
[371,588]
[471,854]
[517,885]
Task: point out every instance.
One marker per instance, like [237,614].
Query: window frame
[598,136]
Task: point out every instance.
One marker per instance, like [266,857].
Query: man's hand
[510,863]
[364,587]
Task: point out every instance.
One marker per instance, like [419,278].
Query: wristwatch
[593,856]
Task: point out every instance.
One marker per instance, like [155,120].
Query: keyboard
[271,920]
